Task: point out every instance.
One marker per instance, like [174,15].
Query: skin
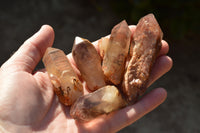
[28,103]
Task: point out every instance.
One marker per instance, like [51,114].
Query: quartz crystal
[92,105]
[65,81]
[115,52]
[88,62]
[103,43]
[147,42]
[124,60]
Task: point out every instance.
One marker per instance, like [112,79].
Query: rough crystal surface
[147,42]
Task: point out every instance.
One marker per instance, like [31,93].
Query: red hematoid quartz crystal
[147,42]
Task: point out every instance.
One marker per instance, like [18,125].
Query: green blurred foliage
[177,18]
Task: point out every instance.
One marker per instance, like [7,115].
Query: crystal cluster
[115,76]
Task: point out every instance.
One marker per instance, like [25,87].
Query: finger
[162,65]
[30,53]
[138,110]
[164,48]
[124,117]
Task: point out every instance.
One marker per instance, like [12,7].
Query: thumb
[30,53]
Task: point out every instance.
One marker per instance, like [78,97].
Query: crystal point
[92,105]
[147,42]
[116,52]
[66,83]
[88,62]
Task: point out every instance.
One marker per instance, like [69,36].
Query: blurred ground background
[92,19]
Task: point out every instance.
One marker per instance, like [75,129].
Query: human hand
[28,103]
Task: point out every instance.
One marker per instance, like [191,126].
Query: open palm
[28,103]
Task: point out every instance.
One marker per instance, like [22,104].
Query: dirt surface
[178,114]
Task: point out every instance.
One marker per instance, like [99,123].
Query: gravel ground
[178,114]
